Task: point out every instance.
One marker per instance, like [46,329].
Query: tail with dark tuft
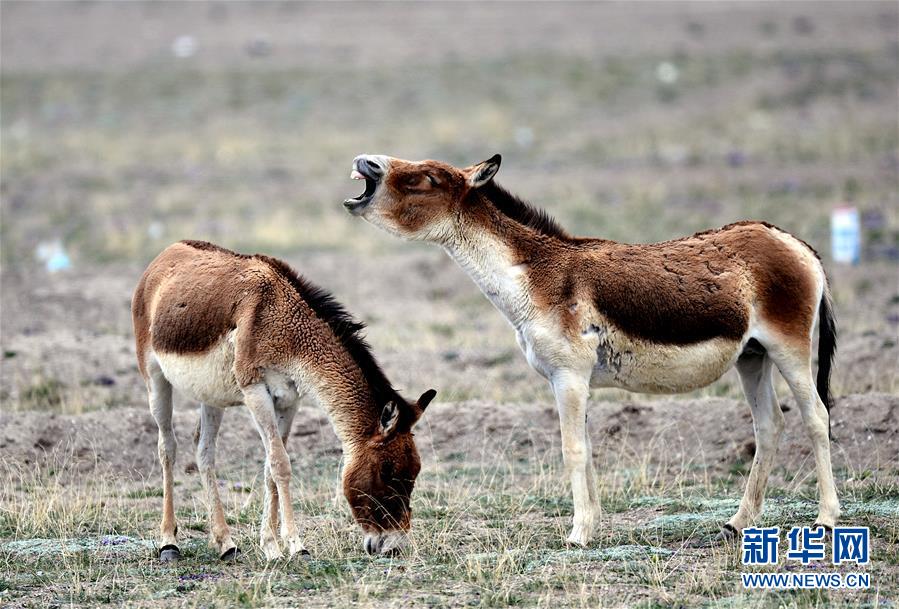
[827,346]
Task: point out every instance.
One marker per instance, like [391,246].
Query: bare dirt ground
[113,147]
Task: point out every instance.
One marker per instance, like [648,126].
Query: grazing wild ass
[227,329]
[662,318]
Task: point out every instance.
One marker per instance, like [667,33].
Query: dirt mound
[714,434]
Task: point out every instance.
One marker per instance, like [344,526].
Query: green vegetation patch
[107,544]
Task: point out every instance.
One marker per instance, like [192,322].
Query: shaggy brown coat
[215,324]
[661,317]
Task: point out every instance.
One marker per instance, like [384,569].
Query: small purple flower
[114,540]
[198,577]
[736,158]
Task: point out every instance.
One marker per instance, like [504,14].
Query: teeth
[355,175]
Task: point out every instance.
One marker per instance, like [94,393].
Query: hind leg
[160,396]
[768,423]
[220,533]
[797,371]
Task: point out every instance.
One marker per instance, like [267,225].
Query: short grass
[486,534]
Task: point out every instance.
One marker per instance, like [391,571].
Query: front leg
[270,515]
[572,390]
[260,405]
[268,530]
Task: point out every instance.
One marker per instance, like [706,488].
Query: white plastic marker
[845,235]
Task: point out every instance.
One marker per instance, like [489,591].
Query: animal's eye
[387,471]
[420,181]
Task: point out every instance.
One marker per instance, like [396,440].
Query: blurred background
[127,126]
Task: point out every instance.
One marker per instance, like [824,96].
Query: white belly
[206,377]
[614,359]
[209,377]
[655,368]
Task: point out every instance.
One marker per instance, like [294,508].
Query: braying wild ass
[663,317]
[227,329]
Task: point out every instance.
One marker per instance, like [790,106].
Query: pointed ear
[390,418]
[418,408]
[483,172]
[426,398]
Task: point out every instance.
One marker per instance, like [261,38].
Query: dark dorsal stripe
[347,330]
[520,211]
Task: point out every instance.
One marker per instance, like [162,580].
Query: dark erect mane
[521,211]
[347,330]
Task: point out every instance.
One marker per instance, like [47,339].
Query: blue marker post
[845,235]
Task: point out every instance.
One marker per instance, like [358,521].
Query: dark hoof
[231,555]
[826,527]
[727,534]
[304,555]
[169,553]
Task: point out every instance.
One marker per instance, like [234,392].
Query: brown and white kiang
[663,317]
[227,329]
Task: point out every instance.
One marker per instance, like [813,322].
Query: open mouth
[356,204]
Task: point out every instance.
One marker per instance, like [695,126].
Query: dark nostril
[369,167]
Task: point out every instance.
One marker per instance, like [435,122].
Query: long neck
[338,384]
[495,251]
